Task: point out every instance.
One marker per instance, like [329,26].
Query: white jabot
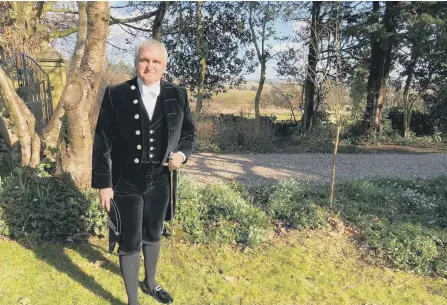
[149,94]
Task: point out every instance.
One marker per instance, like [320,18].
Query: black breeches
[142,200]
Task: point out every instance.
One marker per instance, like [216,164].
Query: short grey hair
[148,43]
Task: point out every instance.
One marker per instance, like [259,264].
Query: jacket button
[135,101]
[137,132]
[136,160]
[137,116]
[139,147]
[151,131]
[152,148]
[152,140]
[132,87]
[151,155]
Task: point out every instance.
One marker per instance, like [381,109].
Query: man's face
[151,64]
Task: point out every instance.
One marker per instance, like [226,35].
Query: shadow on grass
[46,209]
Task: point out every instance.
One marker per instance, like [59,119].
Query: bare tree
[337,98]
[287,96]
[261,22]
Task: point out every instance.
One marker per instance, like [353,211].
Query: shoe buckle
[158,288]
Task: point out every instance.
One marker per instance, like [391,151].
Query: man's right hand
[104,197]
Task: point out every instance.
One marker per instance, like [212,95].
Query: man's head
[151,61]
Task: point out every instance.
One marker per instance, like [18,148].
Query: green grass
[305,267]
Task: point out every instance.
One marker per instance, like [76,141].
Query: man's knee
[152,235]
[129,246]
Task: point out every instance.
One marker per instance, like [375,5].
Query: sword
[172,207]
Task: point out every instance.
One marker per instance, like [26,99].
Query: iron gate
[33,85]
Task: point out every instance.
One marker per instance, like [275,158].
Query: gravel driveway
[258,168]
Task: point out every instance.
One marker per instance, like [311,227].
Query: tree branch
[132,19]
[62,10]
[64,33]
[124,21]
[121,49]
[125,6]
[253,34]
[263,34]
[136,28]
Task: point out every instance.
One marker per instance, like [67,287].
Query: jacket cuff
[101,181]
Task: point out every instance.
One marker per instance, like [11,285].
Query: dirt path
[258,168]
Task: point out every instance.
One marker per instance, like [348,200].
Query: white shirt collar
[146,90]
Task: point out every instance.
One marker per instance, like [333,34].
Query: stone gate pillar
[54,65]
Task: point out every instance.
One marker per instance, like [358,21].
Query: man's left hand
[176,161]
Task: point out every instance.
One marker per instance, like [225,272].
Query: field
[241,102]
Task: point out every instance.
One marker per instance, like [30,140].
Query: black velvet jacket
[118,137]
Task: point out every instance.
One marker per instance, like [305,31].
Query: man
[144,123]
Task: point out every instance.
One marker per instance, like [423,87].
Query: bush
[409,246]
[319,139]
[219,213]
[38,207]
[225,205]
[234,133]
[401,222]
[206,135]
[239,134]
[285,128]
[422,124]
[191,211]
[290,204]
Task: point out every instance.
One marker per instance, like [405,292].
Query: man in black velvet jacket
[143,123]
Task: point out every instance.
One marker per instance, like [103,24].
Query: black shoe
[157,293]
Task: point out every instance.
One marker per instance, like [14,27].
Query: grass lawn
[304,267]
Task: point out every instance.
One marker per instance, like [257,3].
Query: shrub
[319,139]
[225,205]
[285,128]
[290,204]
[239,134]
[219,213]
[422,124]
[206,135]
[191,211]
[39,207]
[402,222]
[408,246]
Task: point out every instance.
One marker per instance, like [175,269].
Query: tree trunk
[80,94]
[51,135]
[308,114]
[381,58]
[387,51]
[258,98]
[161,12]
[334,160]
[202,71]
[372,86]
[21,117]
[200,91]
[81,38]
[407,105]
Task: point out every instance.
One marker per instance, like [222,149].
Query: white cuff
[184,156]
